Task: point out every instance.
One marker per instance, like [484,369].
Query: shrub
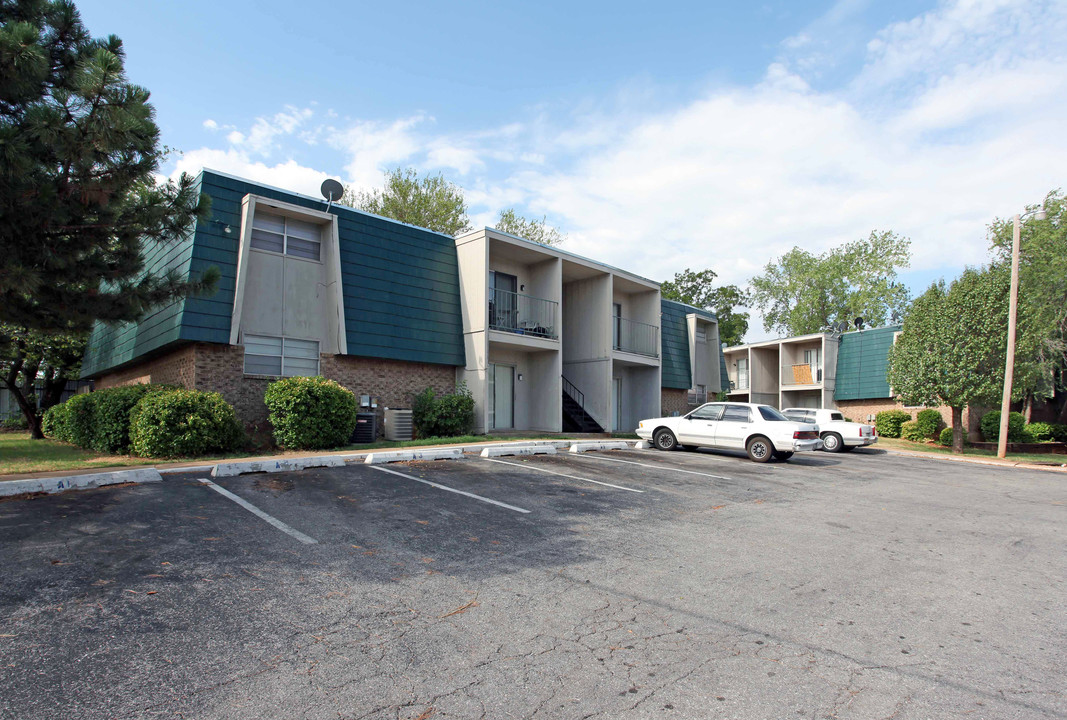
[443,416]
[929,422]
[81,417]
[54,422]
[15,423]
[912,430]
[310,413]
[945,438]
[111,432]
[888,422]
[990,425]
[183,422]
[1059,432]
[1039,431]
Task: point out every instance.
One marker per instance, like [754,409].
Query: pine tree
[79,152]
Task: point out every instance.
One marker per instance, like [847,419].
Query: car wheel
[665,439]
[831,442]
[759,449]
[783,456]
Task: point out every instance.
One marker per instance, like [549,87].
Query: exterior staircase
[575,418]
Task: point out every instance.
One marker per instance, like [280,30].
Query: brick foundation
[674,401]
[175,368]
[220,368]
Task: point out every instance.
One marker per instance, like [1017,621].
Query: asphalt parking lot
[630,584]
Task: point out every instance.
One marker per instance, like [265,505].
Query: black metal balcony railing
[522,314]
[636,337]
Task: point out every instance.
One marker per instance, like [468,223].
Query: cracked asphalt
[861,585]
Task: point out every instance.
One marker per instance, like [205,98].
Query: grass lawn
[898,444]
[21,454]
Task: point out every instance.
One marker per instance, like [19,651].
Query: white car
[836,432]
[759,430]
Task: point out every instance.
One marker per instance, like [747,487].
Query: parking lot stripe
[572,477]
[656,467]
[451,490]
[259,513]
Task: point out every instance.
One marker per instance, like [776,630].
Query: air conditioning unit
[398,424]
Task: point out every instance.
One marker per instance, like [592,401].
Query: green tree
[538,231]
[698,289]
[79,150]
[803,293]
[1041,345]
[952,344]
[430,202]
[35,368]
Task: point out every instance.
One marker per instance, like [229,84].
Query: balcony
[635,337]
[801,374]
[522,314]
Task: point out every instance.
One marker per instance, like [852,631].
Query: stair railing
[576,395]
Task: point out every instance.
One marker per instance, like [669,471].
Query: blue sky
[658,136]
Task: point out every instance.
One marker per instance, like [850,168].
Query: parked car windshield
[771,414]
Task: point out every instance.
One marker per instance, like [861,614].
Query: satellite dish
[859,323]
[842,326]
[331,189]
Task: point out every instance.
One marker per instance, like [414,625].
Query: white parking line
[259,513]
[656,467]
[452,490]
[553,472]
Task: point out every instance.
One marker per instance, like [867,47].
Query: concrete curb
[284,465]
[642,445]
[409,455]
[78,482]
[581,447]
[976,461]
[491,452]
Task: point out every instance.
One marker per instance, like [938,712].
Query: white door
[501,397]
[698,427]
[732,429]
[617,401]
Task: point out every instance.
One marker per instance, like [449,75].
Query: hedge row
[148,420]
[307,413]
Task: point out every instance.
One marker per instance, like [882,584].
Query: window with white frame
[702,334]
[286,357]
[280,234]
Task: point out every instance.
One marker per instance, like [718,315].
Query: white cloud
[288,175]
[210,124]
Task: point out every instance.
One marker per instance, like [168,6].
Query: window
[771,414]
[702,334]
[707,412]
[286,357]
[280,234]
[737,413]
[698,395]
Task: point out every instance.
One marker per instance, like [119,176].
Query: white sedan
[759,430]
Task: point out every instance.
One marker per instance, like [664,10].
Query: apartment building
[788,372]
[544,339]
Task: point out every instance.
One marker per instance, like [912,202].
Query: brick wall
[391,383]
[174,368]
[672,400]
[220,368]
